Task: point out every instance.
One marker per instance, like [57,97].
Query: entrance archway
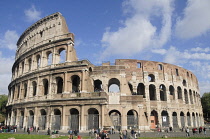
[93,118]
[115,117]
[132,119]
[154,120]
[56,120]
[74,119]
[165,119]
[31,119]
[42,119]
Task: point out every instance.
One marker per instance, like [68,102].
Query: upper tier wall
[47,29]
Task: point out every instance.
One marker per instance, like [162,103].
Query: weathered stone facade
[51,88]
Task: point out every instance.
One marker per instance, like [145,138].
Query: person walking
[187,132]
[28,130]
[204,130]
[48,131]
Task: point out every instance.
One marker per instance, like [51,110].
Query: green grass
[25,136]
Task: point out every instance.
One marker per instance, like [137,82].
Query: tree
[3,103]
[205,101]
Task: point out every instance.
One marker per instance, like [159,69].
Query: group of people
[6,128]
[124,134]
[195,131]
[31,129]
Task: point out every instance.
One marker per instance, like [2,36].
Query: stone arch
[93,118]
[165,118]
[186,96]
[98,85]
[193,119]
[131,88]
[29,64]
[23,66]
[56,119]
[160,67]
[34,86]
[59,83]
[191,96]
[184,83]
[115,117]
[163,96]
[75,79]
[74,119]
[175,120]
[154,119]
[132,119]
[31,119]
[152,92]
[188,119]
[49,58]
[14,118]
[151,78]
[25,90]
[182,120]
[21,119]
[42,119]
[62,55]
[45,86]
[141,90]
[179,92]
[172,94]
[114,85]
[38,61]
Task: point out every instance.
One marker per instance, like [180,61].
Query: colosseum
[51,88]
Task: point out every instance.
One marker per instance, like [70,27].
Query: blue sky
[171,31]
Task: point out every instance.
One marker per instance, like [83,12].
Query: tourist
[48,131]
[204,130]
[187,132]
[79,137]
[28,130]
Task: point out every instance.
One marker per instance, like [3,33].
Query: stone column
[82,118]
[64,125]
[65,82]
[102,117]
[25,120]
[124,118]
[83,85]
[36,123]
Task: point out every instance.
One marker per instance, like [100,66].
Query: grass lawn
[25,136]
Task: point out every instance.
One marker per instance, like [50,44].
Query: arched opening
[59,82]
[152,92]
[38,61]
[98,86]
[151,78]
[62,55]
[188,119]
[93,118]
[21,119]
[186,96]
[18,93]
[29,64]
[14,118]
[34,84]
[182,119]
[49,58]
[25,90]
[191,96]
[179,92]
[114,85]
[115,117]
[175,121]
[31,119]
[172,94]
[45,86]
[131,88]
[154,119]
[141,90]
[132,119]
[160,67]
[17,71]
[56,120]
[165,119]
[193,119]
[42,119]
[162,89]
[75,83]
[23,67]
[184,83]
[74,119]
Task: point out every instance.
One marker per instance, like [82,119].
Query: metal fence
[93,121]
[56,122]
[74,121]
[42,122]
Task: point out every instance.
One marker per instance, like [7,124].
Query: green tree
[205,101]
[3,103]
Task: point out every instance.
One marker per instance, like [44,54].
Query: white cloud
[196,20]
[9,40]
[32,14]
[138,33]
[199,49]
[5,73]
[159,51]
[204,87]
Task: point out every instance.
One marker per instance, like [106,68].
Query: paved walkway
[143,134]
